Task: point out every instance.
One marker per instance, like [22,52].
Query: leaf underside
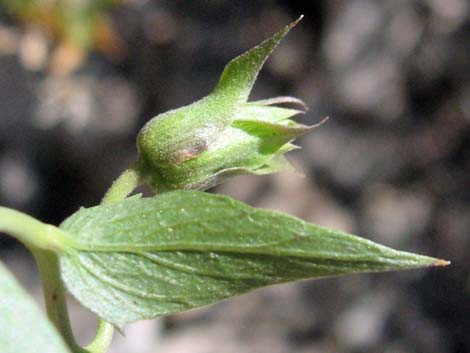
[18,312]
[147,257]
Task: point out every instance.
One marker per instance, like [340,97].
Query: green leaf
[240,74]
[280,100]
[23,327]
[265,113]
[143,258]
[272,135]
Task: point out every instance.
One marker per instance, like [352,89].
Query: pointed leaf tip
[321,122]
[293,24]
[240,74]
[420,261]
[314,126]
[440,263]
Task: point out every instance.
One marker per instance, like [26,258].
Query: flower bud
[221,135]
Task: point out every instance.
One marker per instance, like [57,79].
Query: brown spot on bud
[191,152]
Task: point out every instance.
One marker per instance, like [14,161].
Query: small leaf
[18,312]
[274,164]
[240,74]
[273,136]
[143,258]
[265,113]
[280,100]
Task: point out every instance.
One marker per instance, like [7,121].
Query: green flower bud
[221,135]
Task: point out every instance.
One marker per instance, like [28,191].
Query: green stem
[119,190]
[56,305]
[102,340]
[31,232]
[45,242]
[123,185]
[54,294]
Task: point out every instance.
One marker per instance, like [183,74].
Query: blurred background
[78,78]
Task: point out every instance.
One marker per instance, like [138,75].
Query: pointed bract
[240,74]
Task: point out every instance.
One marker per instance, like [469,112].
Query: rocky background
[391,164]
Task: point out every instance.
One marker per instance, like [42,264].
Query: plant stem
[123,185]
[119,190]
[102,340]
[32,232]
[54,294]
[45,241]
[56,305]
